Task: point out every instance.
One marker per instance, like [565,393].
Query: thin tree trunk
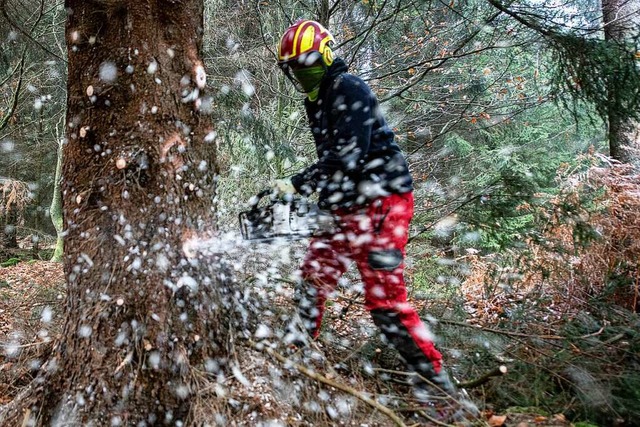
[55,210]
[10,230]
[618,17]
[323,11]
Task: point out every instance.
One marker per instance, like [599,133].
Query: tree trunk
[10,230]
[138,183]
[623,132]
[323,12]
[55,210]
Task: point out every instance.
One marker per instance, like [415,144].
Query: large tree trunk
[620,21]
[138,183]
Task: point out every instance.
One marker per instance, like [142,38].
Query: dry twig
[483,379]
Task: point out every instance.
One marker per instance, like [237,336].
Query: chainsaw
[292,219]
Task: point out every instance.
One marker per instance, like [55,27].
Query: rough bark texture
[620,18]
[138,183]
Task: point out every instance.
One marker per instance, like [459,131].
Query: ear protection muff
[327,56]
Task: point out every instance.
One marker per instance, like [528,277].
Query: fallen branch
[498,331]
[523,335]
[483,379]
[324,380]
[595,334]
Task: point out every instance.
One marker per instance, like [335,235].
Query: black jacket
[358,159]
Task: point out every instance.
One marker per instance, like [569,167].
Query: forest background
[520,123]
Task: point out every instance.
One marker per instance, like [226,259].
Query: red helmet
[303,38]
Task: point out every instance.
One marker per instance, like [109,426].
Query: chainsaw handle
[259,196]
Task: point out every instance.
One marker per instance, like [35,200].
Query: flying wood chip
[121,163]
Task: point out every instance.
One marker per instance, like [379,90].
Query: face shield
[306,72]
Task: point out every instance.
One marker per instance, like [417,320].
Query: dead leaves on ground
[25,289]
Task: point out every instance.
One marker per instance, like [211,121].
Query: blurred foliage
[599,68]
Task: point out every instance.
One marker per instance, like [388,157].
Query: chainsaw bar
[290,220]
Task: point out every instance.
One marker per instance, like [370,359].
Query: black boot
[302,328]
[398,335]
[444,401]
[439,383]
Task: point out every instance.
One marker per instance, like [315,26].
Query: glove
[284,186]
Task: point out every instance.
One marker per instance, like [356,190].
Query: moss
[10,262]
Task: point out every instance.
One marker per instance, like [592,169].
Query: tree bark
[623,132]
[55,210]
[10,230]
[138,183]
[323,12]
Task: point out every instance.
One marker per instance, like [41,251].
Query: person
[362,178]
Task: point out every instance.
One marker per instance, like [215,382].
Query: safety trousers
[374,238]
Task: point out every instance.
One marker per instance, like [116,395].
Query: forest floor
[31,303]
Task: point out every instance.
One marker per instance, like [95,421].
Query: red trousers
[374,238]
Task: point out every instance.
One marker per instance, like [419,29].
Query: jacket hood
[335,69]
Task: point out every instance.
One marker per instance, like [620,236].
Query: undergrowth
[562,312]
